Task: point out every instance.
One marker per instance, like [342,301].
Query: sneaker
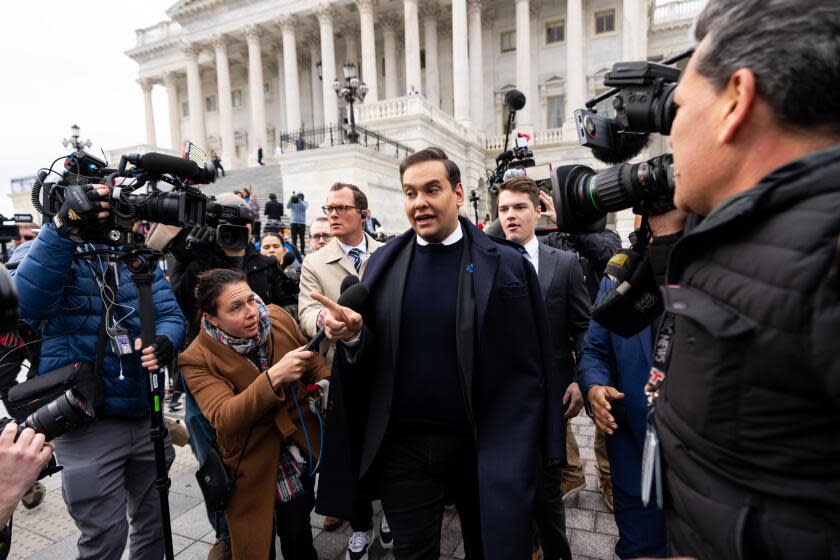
[606,490]
[357,548]
[571,488]
[34,496]
[386,539]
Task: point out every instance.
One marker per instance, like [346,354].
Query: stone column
[317,88]
[430,13]
[634,30]
[257,94]
[198,134]
[149,111]
[476,65]
[524,117]
[228,152]
[290,72]
[283,124]
[369,69]
[325,13]
[413,77]
[351,46]
[170,80]
[389,34]
[460,62]
[575,78]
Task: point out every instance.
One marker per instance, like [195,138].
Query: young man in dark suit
[567,302]
[452,373]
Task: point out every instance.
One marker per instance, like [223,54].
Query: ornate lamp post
[74,140]
[353,90]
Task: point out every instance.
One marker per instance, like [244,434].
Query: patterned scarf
[248,347]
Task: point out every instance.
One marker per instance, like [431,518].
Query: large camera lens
[229,236]
[57,417]
[584,198]
[172,208]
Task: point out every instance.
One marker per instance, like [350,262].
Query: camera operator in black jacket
[593,250]
[265,277]
[749,409]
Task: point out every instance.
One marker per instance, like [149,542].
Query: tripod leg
[155,387]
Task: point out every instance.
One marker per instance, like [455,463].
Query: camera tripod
[142,263]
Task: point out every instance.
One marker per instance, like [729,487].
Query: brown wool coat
[235,397]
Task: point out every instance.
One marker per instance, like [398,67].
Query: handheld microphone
[353,295]
[288,259]
[158,164]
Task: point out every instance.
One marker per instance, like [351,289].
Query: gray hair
[792,47]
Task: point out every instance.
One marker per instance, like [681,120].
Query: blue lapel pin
[470,267]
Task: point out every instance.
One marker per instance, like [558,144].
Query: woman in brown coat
[245,369]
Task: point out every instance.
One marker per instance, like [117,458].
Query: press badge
[121,344]
[651,464]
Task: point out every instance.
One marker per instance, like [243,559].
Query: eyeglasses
[340,210]
[321,236]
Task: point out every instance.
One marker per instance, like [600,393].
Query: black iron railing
[334,135]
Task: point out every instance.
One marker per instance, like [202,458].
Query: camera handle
[142,264]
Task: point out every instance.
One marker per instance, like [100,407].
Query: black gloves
[164,350]
[81,204]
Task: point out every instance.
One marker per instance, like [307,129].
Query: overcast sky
[62,63]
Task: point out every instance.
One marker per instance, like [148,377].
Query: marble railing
[157,32]
[546,137]
[677,11]
[403,107]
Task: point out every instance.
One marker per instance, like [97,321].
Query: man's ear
[739,99]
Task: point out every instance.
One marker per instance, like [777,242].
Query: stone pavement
[48,532]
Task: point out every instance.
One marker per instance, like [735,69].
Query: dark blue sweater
[428,391]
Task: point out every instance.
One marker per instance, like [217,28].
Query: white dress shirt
[453,237]
[532,252]
[362,247]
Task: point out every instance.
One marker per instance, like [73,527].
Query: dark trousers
[362,519]
[291,521]
[641,530]
[550,514]
[299,232]
[419,475]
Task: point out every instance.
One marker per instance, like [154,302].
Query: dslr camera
[226,226]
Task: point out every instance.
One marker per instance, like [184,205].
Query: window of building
[185,108]
[605,21]
[555,32]
[267,91]
[555,109]
[236,98]
[508,41]
[210,103]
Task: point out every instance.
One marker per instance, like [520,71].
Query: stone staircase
[262,180]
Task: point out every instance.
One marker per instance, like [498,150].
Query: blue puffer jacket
[65,294]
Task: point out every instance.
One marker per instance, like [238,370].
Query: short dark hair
[211,284]
[272,196]
[359,198]
[320,219]
[792,47]
[523,185]
[433,154]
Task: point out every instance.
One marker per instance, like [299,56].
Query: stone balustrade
[677,11]
[158,32]
[548,137]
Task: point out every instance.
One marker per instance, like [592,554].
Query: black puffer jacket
[749,415]
[265,278]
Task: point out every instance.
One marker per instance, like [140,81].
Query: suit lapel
[485,262]
[547,268]
[465,319]
[394,288]
[336,255]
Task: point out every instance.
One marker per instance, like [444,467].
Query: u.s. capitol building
[243,74]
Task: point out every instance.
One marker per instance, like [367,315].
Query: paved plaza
[48,532]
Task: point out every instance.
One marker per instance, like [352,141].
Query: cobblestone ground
[48,533]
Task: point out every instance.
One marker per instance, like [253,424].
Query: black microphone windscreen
[514,100]
[354,297]
[626,147]
[348,281]
[158,164]
[288,259]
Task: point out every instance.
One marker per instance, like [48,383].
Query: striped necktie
[356,256]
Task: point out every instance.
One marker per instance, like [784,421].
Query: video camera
[183,206]
[10,231]
[644,103]
[226,226]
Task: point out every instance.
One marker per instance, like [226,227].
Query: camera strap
[109,281]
